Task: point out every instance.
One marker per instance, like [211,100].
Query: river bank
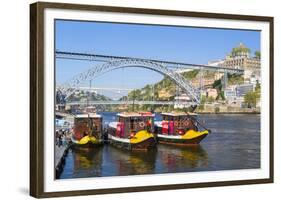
[225,109]
[201,109]
[228,112]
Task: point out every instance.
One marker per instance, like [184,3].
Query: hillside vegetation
[163,90]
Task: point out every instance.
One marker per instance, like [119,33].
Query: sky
[182,44]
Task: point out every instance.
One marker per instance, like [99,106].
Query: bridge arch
[69,87]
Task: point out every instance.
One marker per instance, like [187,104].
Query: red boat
[179,129]
[87,129]
[132,131]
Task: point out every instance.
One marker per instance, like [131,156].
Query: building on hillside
[73,108]
[211,92]
[242,90]
[231,97]
[234,95]
[240,58]
[182,101]
[90,109]
[204,83]
[60,107]
[238,90]
[230,91]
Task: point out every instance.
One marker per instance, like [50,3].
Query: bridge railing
[130,102]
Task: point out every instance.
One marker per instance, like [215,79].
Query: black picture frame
[37,97]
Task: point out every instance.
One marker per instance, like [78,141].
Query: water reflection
[111,161]
[233,144]
[85,161]
[133,163]
[182,158]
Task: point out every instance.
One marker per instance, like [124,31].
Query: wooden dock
[60,154]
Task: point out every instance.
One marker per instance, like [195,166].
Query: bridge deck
[107,58]
[129,102]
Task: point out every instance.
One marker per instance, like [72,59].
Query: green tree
[258,54]
[240,49]
[190,74]
[210,99]
[221,95]
[251,99]
[217,84]
[203,99]
[234,79]
[258,88]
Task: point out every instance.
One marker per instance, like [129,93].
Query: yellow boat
[179,129]
[87,129]
[132,131]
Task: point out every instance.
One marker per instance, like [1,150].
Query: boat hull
[86,141]
[86,146]
[193,138]
[140,143]
[141,146]
[181,142]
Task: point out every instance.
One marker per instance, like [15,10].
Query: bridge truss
[109,63]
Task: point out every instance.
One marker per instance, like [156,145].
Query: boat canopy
[179,114]
[90,115]
[135,114]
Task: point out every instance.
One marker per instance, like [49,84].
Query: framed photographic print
[129,99]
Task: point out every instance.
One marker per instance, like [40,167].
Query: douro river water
[233,144]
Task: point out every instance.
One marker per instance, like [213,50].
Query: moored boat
[87,130]
[180,129]
[133,131]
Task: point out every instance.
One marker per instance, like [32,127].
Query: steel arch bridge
[69,87]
